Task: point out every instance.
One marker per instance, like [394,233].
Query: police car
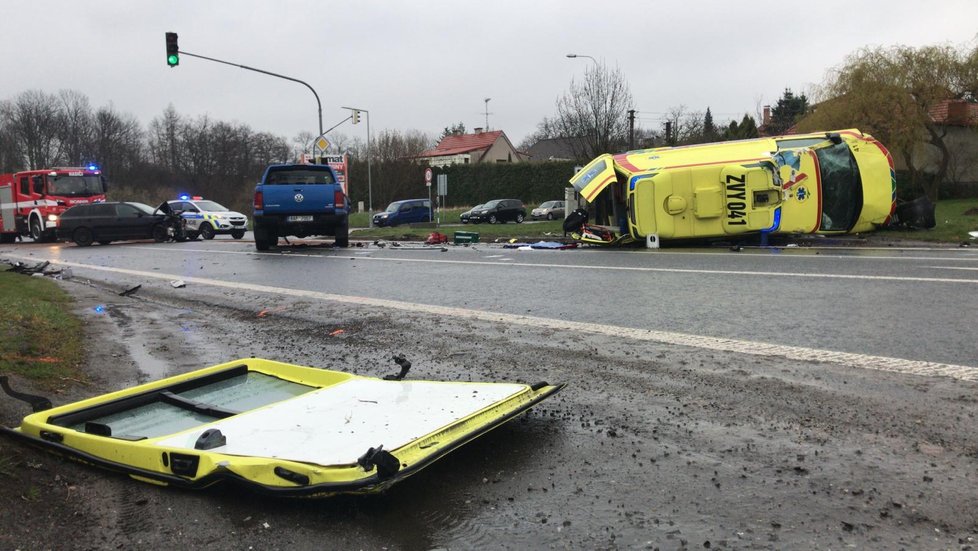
[206,218]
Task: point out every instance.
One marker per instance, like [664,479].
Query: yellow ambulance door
[750,198]
[594,177]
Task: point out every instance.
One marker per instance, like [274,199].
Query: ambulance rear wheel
[83,237]
[206,231]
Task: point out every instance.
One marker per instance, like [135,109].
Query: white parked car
[207,218]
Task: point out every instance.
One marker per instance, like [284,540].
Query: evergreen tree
[456,130]
[787,112]
[709,128]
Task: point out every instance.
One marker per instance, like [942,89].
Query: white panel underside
[337,424]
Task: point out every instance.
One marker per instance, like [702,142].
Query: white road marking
[848,359]
[584,267]
[952,268]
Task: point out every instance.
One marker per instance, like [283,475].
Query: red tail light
[259,201]
[339,200]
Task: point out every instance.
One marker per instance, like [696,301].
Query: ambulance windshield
[842,191]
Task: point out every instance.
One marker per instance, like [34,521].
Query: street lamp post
[370,198]
[574,56]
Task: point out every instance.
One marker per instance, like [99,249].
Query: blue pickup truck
[301,200]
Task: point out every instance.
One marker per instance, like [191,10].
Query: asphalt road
[780,398]
[912,304]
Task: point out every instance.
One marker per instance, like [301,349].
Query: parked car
[549,210]
[464,217]
[826,182]
[111,221]
[499,210]
[408,211]
[208,218]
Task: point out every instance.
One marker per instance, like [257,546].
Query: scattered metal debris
[400,360]
[178,284]
[130,291]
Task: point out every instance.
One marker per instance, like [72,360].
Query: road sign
[443,185]
[322,144]
[427,176]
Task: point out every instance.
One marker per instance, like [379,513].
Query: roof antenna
[487,113]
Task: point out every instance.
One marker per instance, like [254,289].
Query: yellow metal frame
[147,461]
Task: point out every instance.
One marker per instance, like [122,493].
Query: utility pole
[355,115]
[668,132]
[631,129]
[487,113]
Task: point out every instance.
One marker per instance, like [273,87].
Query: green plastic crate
[461,237]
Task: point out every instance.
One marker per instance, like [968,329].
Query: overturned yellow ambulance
[827,182]
[280,429]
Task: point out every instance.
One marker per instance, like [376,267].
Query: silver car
[550,210]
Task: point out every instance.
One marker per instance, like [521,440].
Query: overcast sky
[425,65]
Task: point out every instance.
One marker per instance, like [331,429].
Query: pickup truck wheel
[263,241]
[206,231]
[83,237]
[237,234]
[342,236]
[159,233]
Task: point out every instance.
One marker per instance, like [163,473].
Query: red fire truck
[32,201]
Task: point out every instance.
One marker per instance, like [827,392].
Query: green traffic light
[173,60]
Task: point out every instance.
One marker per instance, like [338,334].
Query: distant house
[557,149]
[479,147]
[957,119]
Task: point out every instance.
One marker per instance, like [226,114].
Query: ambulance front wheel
[206,231]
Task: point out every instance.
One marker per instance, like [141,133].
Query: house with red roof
[478,147]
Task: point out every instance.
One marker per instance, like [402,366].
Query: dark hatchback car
[464,217]
[111,221]
[499,210]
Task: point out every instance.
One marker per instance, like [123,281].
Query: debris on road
[130,291]
[210,432]
[178,284]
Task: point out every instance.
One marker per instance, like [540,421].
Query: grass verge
[39,337]
[953,222]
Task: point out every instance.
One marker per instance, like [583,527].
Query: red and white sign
[427,176]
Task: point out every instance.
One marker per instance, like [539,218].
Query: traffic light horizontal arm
[270,74]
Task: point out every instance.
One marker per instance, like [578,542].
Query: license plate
[300,218]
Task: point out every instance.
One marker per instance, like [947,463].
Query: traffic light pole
[318,103]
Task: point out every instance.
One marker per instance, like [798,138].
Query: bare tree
[33,123]
[75,127]
[594,110]
[116,142]
[687,126]
[164,147]
[11,154]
